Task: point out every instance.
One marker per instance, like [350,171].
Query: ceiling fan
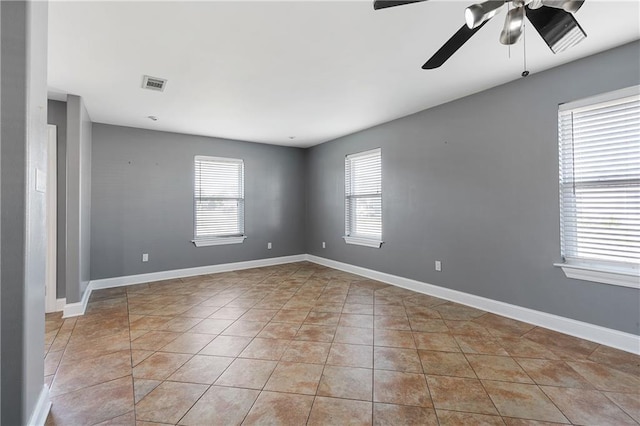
[553,19]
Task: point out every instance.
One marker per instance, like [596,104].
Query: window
[599,147]
[363,198]
[218,201]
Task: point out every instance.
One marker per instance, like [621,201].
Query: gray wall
[1,191]
[57,115]
[86,134]
[23,149]
[142,201]
[78,199]
[474,183]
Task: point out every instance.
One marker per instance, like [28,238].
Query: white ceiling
[265,71]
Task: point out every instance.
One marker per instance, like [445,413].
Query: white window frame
[624,274]
[350,237]
[214,240]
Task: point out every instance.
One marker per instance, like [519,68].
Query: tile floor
[303,344]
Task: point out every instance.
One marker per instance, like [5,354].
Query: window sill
[367,242]
[620,277]
[218,241]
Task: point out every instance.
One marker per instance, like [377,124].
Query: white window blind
[218,199]
[363,197]
[599,147]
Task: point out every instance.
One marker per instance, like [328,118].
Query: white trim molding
[359,241]
[41,410]
[218,241]
[77,308]
[617,339]
[60,304]
[623,278]
[190,272]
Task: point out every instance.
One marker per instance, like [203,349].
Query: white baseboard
[41,410]
[190,272]
[77,308]
[606,336]
[60,303]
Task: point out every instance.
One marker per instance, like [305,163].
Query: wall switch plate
[324,245]
[41,181]
[269,245]
[145,257]
[438,266]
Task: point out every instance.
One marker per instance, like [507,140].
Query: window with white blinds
[599,149]
[363,198]
[218,200]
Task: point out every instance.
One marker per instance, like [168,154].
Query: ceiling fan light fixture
[513,25]
[535,4]
[571,6]
[477,14]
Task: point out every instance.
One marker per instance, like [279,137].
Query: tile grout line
[620,407]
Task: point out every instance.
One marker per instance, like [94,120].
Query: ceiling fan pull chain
[524,47]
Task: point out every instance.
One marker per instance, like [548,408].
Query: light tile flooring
[304,344]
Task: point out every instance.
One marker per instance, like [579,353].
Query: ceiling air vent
[153,83]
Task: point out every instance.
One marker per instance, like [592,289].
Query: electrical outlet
[438,266]
[324,245]
[145,257]
[269,245]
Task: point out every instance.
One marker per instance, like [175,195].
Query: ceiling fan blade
[382,4]
[558,28]
[451,46]
[513,24]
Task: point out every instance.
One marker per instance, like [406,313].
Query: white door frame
[52,188]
